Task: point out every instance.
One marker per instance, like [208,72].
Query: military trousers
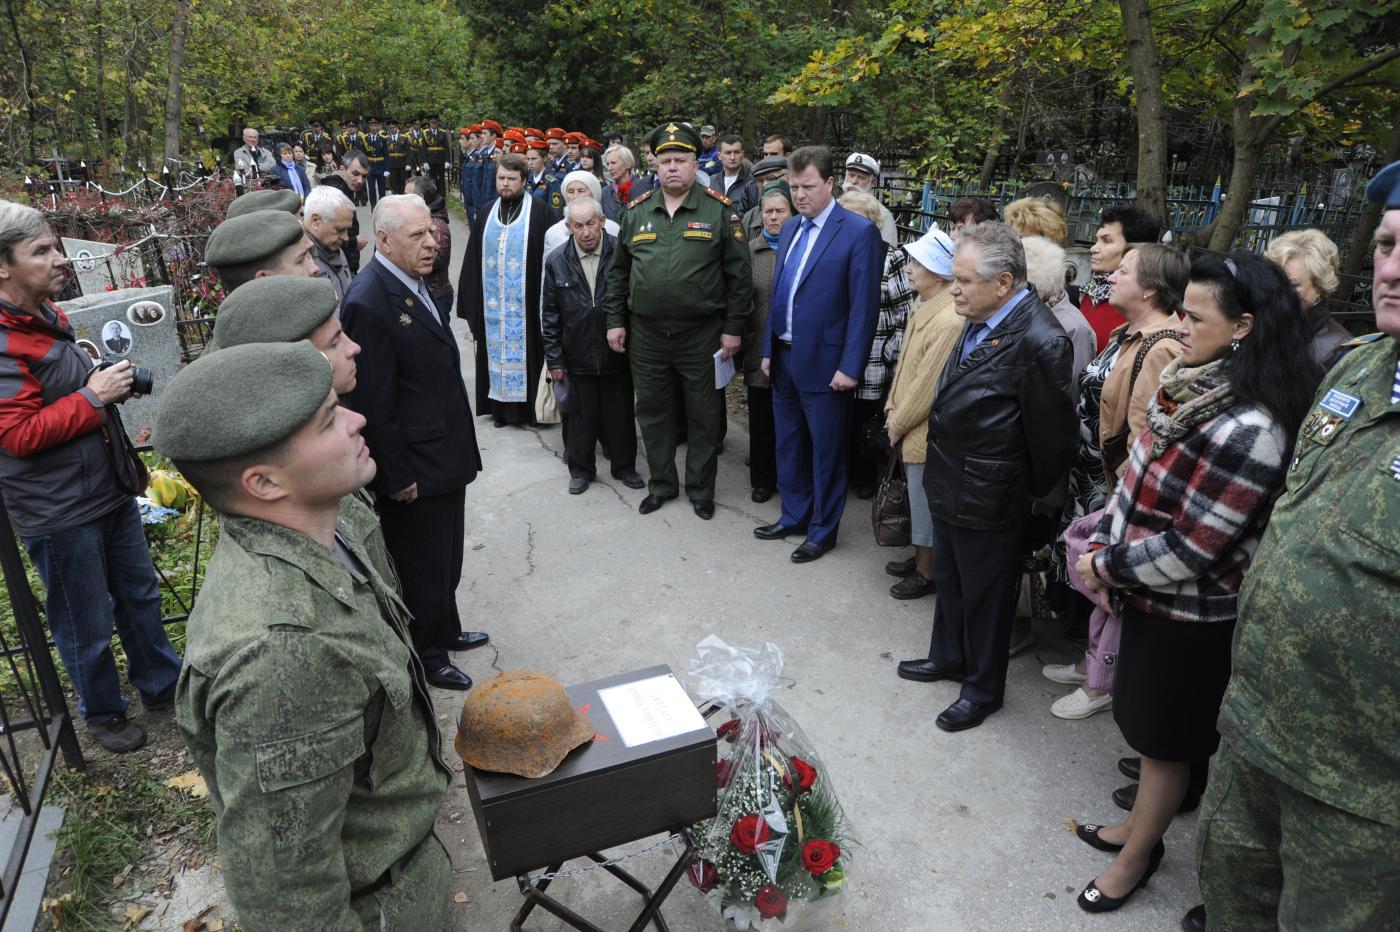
[414,894]
[1273,857]
[375,184]
[663,359]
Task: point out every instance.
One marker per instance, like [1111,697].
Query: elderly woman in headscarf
[775,207]
[577,184]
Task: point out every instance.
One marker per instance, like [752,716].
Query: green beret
[675,135]
[266,199]
[250,237]
[273,309]
[241,399]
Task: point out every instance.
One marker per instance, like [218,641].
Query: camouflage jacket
[359,526]
[1313,696]
[305,709]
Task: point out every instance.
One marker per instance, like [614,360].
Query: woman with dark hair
[326,163]
[1178,535]
[590,160]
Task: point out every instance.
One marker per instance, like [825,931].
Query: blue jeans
[99,574]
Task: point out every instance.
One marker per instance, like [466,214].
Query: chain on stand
[532,879]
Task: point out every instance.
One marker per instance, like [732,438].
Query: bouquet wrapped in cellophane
[775,857]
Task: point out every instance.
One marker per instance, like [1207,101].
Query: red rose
[805,773]
[729,730]
[749,832]
[703,874]
[820,856]
[724,772]
[770,902]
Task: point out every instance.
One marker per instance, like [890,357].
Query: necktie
[970,343]
[787,280]
[428,304]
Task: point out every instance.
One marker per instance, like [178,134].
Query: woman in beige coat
[930,335]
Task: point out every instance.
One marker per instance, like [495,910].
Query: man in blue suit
[826,299]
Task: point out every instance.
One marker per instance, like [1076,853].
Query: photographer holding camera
[68,479]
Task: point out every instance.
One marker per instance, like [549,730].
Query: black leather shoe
[900,567]
[760,495]
[1126,796]
[703,507]
[965,714]
[776,531]
[1195,919]
[578,485]
[1088,833]
[1093,900]
[1130,767]
[467,640]
[925,671]
[632,479]
[913,586]
[449,677]
[810,550]
[649,504]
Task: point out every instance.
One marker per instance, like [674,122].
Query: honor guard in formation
[352,138]
[311,140]
[377,151]
[417,150]
[301,699]
[558,151]
[486,164]
[435,152]
[397,153]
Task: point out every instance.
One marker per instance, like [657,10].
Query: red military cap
[592,144]
[555,132]
[536,133]
[574,138]
[513,135]
[538,144]
[517,148]
[491,125]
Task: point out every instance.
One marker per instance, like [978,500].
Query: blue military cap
[1385,187]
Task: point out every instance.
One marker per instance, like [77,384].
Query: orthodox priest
[499,296]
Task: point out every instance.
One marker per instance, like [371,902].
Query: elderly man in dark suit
[418,427]
[1001,433]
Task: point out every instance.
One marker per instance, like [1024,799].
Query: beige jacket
[929,336]
[1115,407]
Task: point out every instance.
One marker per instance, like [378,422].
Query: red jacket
[55,471]
[1103,317]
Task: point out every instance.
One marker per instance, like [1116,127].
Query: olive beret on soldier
[275,309]
[241,399]
[675,135]
[250,237]
[267,199]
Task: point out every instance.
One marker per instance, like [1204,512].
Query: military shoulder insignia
[637,200]
[719,197]
[556,200]
[1362,340]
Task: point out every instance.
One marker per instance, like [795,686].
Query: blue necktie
[970,343]
[787,281]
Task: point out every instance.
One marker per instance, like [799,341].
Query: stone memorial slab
[96,275]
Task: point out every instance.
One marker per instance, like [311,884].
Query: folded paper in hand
[724,369]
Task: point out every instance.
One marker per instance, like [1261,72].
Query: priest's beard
[510,209]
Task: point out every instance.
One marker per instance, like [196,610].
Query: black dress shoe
[900,567]
[703,507]
[632,479]
[578,485]
[1088,833]
[760,495]
[1195,919]
[776,531]
[449,677]
[1093,900]
[913,586]
[965,714]
[467,640]
[926,671]
[1126,796]
[499,422]
[649,504]
[810,550]
[1130,767]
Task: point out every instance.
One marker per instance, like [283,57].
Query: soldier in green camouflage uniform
[1300,826]
[302,701]
[678,291]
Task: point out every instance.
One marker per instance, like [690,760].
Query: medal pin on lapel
[405,320]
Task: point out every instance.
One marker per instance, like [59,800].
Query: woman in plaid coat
[1178,534]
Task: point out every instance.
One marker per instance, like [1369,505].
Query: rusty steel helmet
[521,722]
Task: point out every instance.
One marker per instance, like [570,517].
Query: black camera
[143,381]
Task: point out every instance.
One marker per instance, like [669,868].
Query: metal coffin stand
[604,794]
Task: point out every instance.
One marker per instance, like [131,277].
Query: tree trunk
[1151,111]
[104,126]
[989,163]
[1366,224]
[27,80]
[174,91]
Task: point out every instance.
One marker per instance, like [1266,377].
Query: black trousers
[860,469]
[425,538]
[603,411]
[763,440]
[978,575]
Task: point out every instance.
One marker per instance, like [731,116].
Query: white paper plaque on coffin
[136,324]
[95,275]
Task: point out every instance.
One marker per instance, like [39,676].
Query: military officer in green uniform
[301,700]
[1301,818]
[678,292]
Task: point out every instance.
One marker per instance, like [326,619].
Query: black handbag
[889,512]
[873,443]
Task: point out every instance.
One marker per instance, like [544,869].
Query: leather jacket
[1002,429]
[574,327]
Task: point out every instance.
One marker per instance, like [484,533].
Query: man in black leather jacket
[574,332]
[1001,432]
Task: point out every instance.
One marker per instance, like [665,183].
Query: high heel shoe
[1093,900]
[1088,833]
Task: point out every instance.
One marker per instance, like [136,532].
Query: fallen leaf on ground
[216,925]
[1070,824]
[197,923]
[478,546]
[134,915]
[189,782]
[461,897]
